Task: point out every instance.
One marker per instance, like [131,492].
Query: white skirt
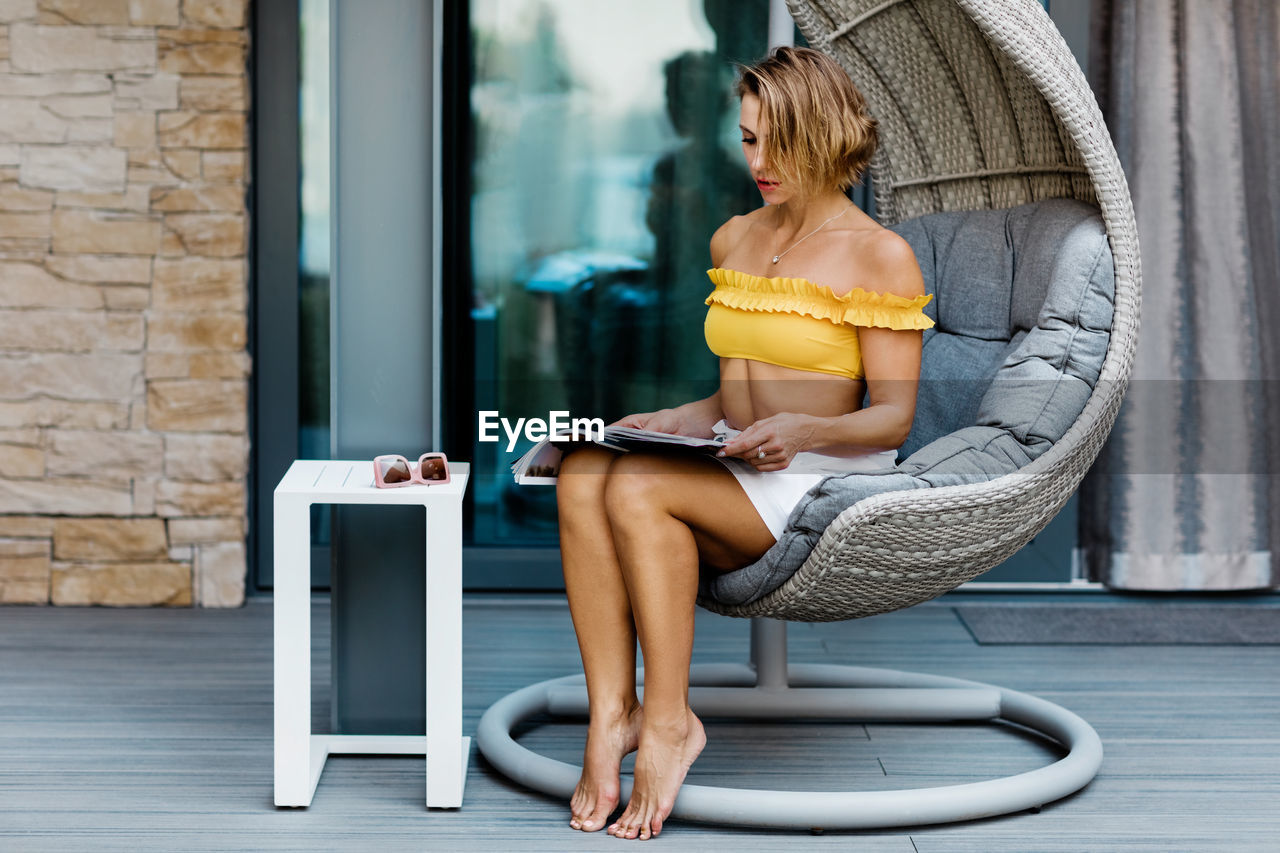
[775,493]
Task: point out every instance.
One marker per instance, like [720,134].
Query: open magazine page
[541,464]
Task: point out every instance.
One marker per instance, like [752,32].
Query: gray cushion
[1023,305]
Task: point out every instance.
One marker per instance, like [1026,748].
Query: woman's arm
[694,418]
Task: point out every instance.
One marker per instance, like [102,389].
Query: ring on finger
[761,453]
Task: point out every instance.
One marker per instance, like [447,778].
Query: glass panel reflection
[313,243]
[606,155]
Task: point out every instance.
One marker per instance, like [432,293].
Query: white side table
[299,754]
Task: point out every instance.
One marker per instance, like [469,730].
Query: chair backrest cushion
[1023,306]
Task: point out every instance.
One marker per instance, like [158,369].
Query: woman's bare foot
[609,738]
[666,754]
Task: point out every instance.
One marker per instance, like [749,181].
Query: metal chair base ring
[821,691]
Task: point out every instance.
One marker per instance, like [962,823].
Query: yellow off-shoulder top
[793,322]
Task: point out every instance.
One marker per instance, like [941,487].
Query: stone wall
[123,308]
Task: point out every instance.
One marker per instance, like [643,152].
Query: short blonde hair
[820,134]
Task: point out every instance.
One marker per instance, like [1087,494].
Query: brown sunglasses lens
[432,469]
[395,471]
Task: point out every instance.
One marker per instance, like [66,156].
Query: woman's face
[753,127]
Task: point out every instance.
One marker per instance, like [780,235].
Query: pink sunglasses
[393,471]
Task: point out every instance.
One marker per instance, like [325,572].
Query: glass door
[605,153]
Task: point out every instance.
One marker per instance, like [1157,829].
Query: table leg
[446,761]
[292,623]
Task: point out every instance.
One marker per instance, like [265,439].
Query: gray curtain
[1186,493]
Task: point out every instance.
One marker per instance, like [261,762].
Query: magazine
[541,464]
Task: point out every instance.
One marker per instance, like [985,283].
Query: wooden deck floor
[150,729]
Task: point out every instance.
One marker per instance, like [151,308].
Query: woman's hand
[780,437]
[663,420]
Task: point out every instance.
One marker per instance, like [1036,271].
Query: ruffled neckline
[858,307]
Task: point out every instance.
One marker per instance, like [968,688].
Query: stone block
[162,13]
[69,496]
[79,106]
[109,539]
[224,166]
[90,130]
[31,527]
[209,234]
[204,58]
[135,130]
[183,162]
[26,121]
[38,48]
[70,376]
[25,226]
[147,93]
[135,199]
[99,269]
[19,461]
[219,365]
[15,198]
[206,456]
[120,297]
[24,571]
[121,584]
[200,531]
[17,10]
[206,331]
[219,574]
[215,13]
[9,156]
[199,284]
[25,437]
[168,365]
[138,416]
[211,197]
[71,331]
[212,93]
[83,231]
[171,246]
[73,167]
[201,35]
[23,248]
[181,500]
[186,129]
[53,412]
[152,175]
[88,11]
[43,85]
[31,286]
[121,454]
[191,405]
[144,497]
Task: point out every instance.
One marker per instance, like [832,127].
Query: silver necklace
[778,256]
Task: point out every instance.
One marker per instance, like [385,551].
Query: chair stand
[767,689]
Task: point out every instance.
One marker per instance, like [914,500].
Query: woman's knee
[636,483]
[582,477]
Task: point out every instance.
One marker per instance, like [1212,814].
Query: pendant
[775,258]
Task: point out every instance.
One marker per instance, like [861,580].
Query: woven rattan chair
[982,108]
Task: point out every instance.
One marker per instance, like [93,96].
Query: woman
[814,304]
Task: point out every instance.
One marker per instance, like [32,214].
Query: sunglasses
[393,471]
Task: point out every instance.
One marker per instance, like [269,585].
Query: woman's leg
[601,612]
[668,514]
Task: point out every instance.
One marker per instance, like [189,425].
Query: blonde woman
[814,304]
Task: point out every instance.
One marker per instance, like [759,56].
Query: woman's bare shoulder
[876,258]
[730,234]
